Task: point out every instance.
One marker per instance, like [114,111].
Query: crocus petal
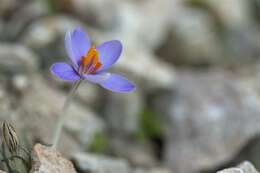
[117,83]
[64,71]
[97,78]
[109,52]
[77,44]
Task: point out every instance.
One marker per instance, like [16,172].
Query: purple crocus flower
[91,62]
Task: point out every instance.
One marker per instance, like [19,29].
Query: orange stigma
[90,62]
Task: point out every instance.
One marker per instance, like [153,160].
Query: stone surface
[149,72]
[15,58]
[100,164]
[138,17]
[216,35]
[138,155]
[231,170]
[1,29]
[232,13]
[256,4]
[245,167]
[213,115]
[7,6]
[243,44]
[192,30]
[90,94]
[124,119]
[90,12]
[47,30]
[152,170]
[47,160]
[20,83]
[25,14]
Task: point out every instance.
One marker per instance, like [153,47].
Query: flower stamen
[90,62]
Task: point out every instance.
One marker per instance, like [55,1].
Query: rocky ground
[196,65]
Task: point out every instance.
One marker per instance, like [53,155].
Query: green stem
[63,115]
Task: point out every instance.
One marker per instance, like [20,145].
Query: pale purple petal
[77,44]
[64,71]
[118,83]
[109,52]
[97,78]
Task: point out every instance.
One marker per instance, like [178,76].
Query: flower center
[90,62]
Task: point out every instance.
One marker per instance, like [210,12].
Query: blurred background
[196,64]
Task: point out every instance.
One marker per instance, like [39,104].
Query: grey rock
[7,6]
[138,155]
[20,83]
[122,112]
[48,160]
[256,8]
[241,33]
[90,11]
[15,58]
[141,25]
[232,13]
[192,39]
[23,17]
[100,164]
[152,170]
[224,33]
[213,115]
[47,30]
[1,29]
[245,167]
[231,170]
[148,71]
[248,167]
[89,94]
[243,44]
